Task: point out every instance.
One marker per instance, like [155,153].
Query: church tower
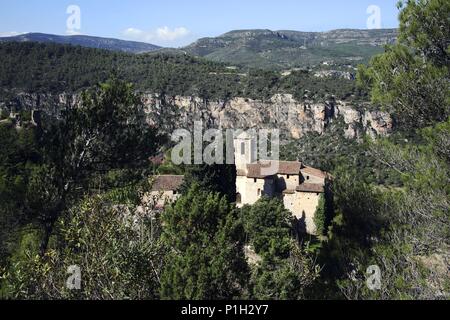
[245,150]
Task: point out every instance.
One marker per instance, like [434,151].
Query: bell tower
[245,150]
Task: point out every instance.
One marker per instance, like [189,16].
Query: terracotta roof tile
[314,172]
[290,167]
[255,170]
[310,187]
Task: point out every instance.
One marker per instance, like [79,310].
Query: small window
[288,176]
[243,148]
[259,192]
[238,198]
[256,180]
[307,177]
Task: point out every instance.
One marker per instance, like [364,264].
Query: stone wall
[303,205]
[251,190]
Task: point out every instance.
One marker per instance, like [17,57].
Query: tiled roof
[289,167]
[256,170]
[167,183]
[310,187]
[314,172]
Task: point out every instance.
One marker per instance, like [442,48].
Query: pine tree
[204,240]
[411,78]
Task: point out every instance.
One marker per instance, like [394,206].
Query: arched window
[238,198]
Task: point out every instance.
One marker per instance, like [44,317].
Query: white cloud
[132,32]
[11,34]
[163,34]
[166,34]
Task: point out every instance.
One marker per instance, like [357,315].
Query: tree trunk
[49,225]
[48,229]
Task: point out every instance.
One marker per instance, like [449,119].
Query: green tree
[19,158]
[119,257]
[204,240]
[284,271]
[3,114]
[285,279]
[268,227]
[108,131]
[214,178]
[412,77]
[403,230]
[320,216]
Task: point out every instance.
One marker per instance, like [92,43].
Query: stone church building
[297,185]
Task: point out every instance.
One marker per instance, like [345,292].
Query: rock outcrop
[282,111]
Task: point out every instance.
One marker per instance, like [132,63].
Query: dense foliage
[46,170]
[401,228]
[55,69]
[117,260]
[283,269]
[412,77]
[20,161]
[204,239]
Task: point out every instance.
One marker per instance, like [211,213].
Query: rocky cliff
[282,111]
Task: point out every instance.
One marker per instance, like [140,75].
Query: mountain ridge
[253,48]
[85,41]
[284,49]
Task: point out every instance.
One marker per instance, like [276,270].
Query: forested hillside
[53,68]
[281,50]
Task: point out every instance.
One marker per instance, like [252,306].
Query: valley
[111,188]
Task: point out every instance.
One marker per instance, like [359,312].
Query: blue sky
[179,22]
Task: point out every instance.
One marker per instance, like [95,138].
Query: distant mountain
[266,49]
[85,41]
[288,49]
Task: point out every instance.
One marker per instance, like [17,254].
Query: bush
[320,217]
[25,116]
[118,256]
[3,114]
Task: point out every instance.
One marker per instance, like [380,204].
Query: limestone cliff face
[40,101]
[282,111]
